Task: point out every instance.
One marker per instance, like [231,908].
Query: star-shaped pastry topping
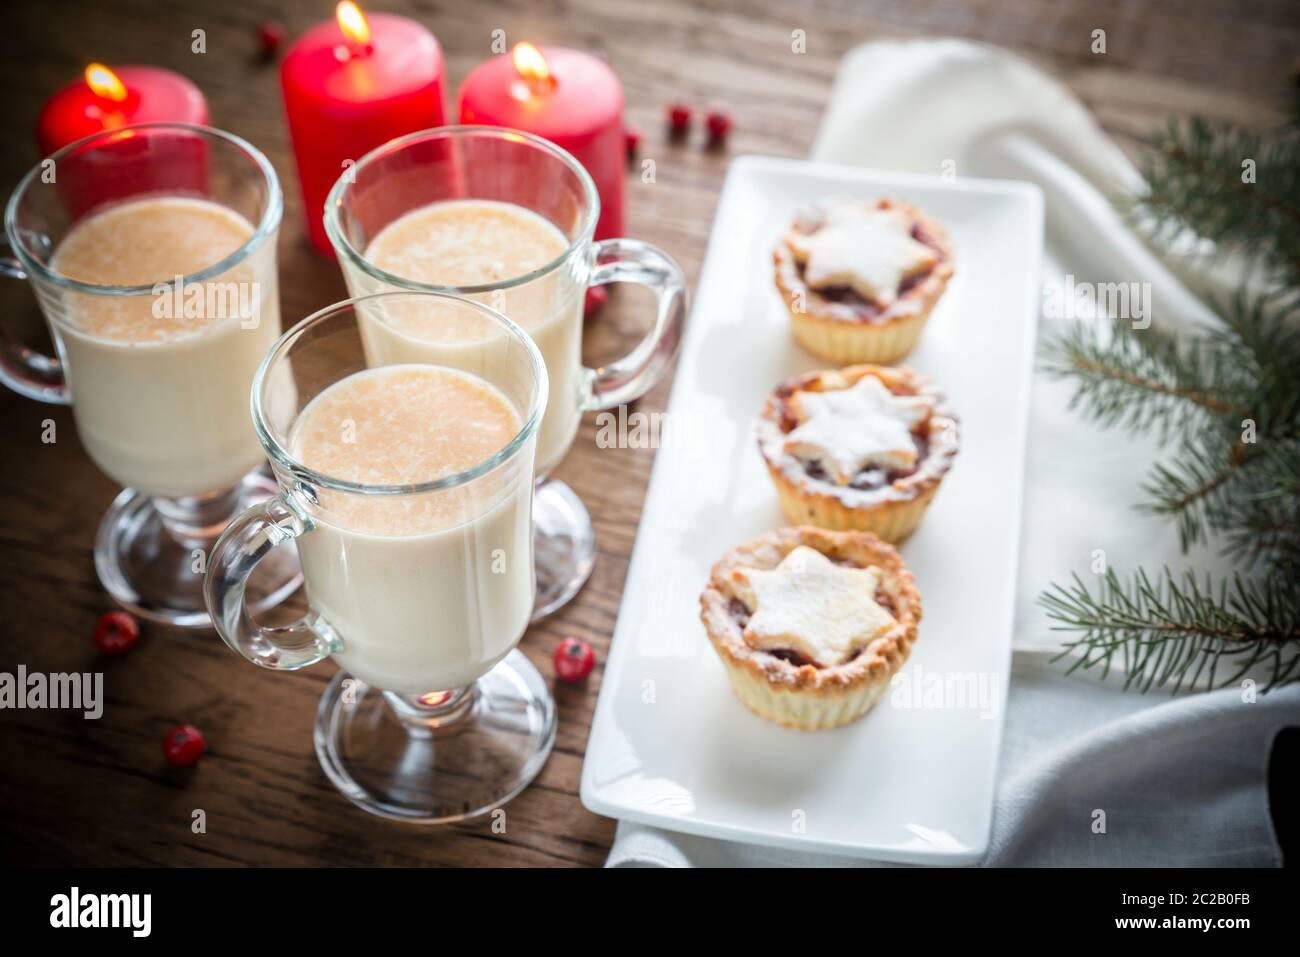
[868,249]
[810,605]
[848,430]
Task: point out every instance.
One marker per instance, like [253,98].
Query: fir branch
[1197,179]
[1263,334]
[1264,533]
[1177,631]
[1231,396]
[1142,380]
[1198,485]
[1262,523]
[1226,395]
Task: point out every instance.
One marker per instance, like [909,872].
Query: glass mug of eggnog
[506,218]
[152,253]
[407,487]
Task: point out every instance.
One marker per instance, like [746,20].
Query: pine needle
[1226,406]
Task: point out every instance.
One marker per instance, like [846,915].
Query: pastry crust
[842,332]
[807,696]
[891,511]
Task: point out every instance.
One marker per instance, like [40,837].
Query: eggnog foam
[402,425]
[472,242]
[146,242]
[475,242]
[160,391]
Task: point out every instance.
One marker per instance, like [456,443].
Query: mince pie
[860,277]
[863,448]
[811,625]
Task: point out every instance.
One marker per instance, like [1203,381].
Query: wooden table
[98,792]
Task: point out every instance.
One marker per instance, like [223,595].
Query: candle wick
[344,52]
[541,84]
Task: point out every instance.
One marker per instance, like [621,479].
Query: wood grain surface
[98,792]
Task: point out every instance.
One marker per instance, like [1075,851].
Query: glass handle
[25,370]
[628,260]
[241,546]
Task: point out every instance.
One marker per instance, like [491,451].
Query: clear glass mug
[419,591]
[458,163]
[156,367]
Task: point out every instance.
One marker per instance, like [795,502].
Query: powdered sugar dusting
[811,605]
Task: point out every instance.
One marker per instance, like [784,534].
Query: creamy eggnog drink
[473,242]
[425,592]
[407,489]
[160,383]
[509,220]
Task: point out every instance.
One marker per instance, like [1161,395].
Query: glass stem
[195,521]
[424,714]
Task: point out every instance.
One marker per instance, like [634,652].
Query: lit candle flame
[531,66]
[353,23]
[105,83]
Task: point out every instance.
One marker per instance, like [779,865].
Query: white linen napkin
[1173,781]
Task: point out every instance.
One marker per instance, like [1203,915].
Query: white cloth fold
[1177,781]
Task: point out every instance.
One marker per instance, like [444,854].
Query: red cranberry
[597,296]
[719,124]
[632,139]
[183,746]
[679,118]
[270,34]
[574,660]
[116,633]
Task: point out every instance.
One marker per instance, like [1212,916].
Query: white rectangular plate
[913,781]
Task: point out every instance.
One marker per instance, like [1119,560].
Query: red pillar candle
[350,85]
[566,96]
[105,99]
